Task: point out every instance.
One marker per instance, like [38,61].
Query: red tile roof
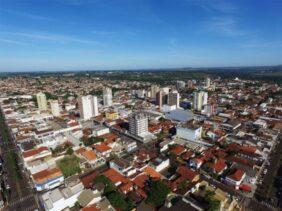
[43,176]
[219,165]
[87,179]
[187,173]
[140,180]
[33,152]
[237,175]
[178,150]
[115,176]
[101,147]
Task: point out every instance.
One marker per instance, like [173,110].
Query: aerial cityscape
[140,105]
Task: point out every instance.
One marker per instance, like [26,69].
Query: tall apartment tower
[207,82]
[41,101]
[154,90]
[107,96]
[88,107]
[173,99]
[159,98]
[55,108]
[138,124]
[190,84]
[200,99]
[180,85]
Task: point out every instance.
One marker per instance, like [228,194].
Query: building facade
[41,101]
[88,107]
[107,96]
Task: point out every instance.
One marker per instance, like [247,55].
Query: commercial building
[41,101]
[200,99]
[190,133]
[107,96]
[88,107]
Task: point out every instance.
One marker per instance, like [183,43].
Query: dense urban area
[140,140]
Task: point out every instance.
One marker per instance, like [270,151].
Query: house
[130,146]
[219,166]
[235,178]
[36,153]
[188,174]
[123,166]
[160,163]
[120,181]
[47,179]
[177,150]
[102,150]
[88,178]
[88,196]
[91,157]
[196,162]
[61,198]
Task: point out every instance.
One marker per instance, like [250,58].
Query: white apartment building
[55,108]
[200,99]
[207,82]
[107,96]
[154,90]
[173,99]
[138,124]
[41,101]
[88,106]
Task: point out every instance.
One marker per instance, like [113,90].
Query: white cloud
[11,41]
[51,37]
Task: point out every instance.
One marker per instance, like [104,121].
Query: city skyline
[100,35]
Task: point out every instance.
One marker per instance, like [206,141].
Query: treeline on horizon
[165,76]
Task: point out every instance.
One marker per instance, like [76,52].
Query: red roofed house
[36,153]
[102,149]
[123,184]
[48,179]
[236,177]
[178,150]
[219,166]
[188,174]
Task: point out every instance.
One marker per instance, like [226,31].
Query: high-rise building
[159,98]
[173,99]
[154,90]
[41,101]
[180,85]
[190,84]
[200,99]
[138,124]
[209,109]
[207,82]
[88,107]
[107,96]
[55,108]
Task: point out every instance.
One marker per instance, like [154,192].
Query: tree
[109,186]
[157,193]
[118,200]
[69,151]
[214,204]
[69,165]
[92,140]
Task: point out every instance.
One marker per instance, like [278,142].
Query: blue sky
[131,34]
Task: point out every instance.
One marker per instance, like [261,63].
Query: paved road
[21,195]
